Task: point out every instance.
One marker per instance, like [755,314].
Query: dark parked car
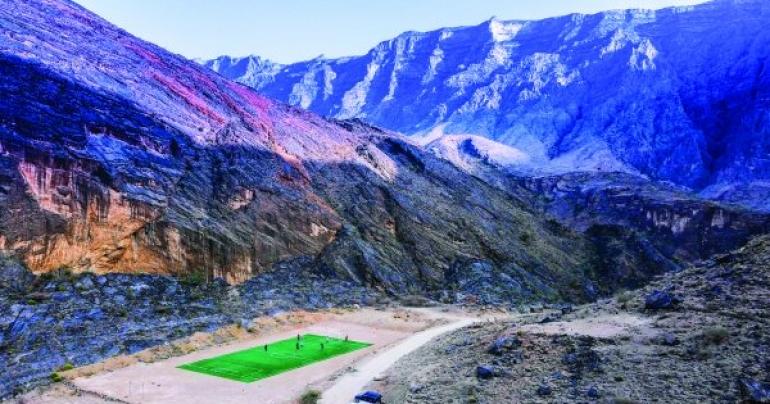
[369,397]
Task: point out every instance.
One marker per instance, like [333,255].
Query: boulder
[754,391]
[245,324]
[590,291]
[84,283]
[544,390]
[569,358]
[660,300]
[139,288]
[549,319]
[485,372]
[14,276]
[504,344]
[667,339]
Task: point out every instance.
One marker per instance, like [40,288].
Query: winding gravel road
[347,386]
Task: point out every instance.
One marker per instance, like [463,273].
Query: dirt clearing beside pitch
[162,381]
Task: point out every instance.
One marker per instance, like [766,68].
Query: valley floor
[699,335]
[141,379]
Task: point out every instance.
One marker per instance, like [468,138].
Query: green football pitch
[257,363]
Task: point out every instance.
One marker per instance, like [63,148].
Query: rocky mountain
[122,164]
[117,156]
[679,95]
[639,228]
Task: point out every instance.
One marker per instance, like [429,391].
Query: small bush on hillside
[310,397]
[525,238]
[194,278]
[624,297]
[715,335]
[64,273]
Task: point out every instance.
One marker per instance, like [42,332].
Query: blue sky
[293,30]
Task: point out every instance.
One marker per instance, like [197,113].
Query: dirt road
[351,384]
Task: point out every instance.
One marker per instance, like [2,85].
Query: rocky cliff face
[639,228]
[679,94]
[117,156]
[642,228]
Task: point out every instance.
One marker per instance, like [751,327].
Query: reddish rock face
[121,157]
[100,222]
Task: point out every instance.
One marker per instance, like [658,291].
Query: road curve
[347,386]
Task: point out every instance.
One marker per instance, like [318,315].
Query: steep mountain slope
[120,157]
[639,227]
[679,94]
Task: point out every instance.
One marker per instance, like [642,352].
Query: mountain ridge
[612,91]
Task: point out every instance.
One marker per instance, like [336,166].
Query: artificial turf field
[255,363]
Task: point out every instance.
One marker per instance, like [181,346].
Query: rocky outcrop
[643,228]
[679,94]
[638,228]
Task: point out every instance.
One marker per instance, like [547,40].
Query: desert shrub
[64,273]
[525,238]
[163,310]
[416,301]
[65,367]
[194,278]
[55,377]
[310,397]
[715,335]
[119,311]
[624,297]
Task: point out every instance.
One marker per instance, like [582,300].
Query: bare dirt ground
[602,326]
[444,370]
[152,376]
